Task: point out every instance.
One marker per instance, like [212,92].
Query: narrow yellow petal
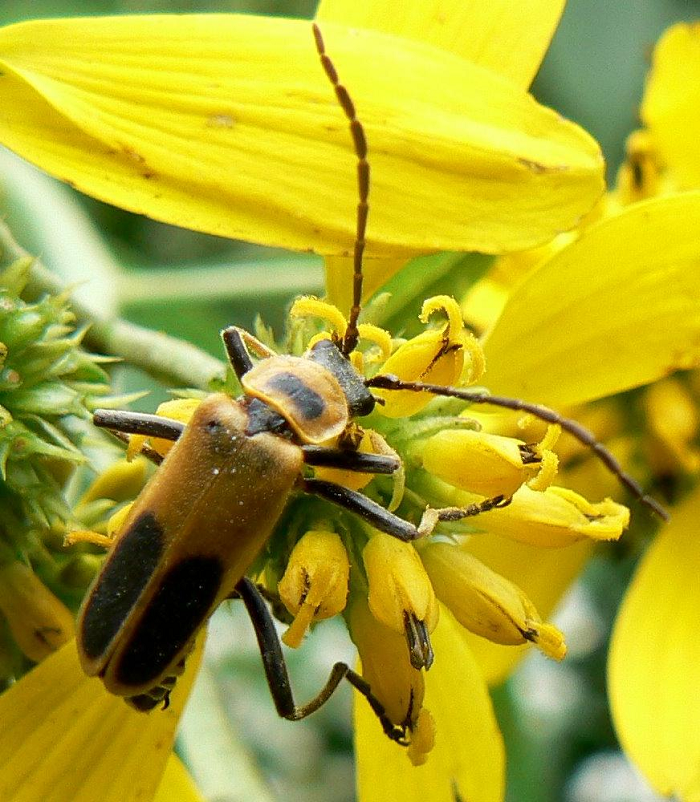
[467,759]
[227,124]
[63,738]
[654,670]
[506,37]
[618,308]
[177,785]
[671,101]
[543,574]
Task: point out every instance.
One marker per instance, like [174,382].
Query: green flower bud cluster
[46,381]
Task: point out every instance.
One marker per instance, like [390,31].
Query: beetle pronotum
[197,526]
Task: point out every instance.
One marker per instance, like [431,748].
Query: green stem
[249,281]
[168,359]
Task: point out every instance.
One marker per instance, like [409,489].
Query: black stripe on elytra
[175,613]
[124,576]
[307,401]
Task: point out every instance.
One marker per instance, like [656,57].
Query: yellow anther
[314,307]
[486,603]
[422,738]
[378,336]
[315,582]
[87,536]
[549,461]
[549,467]
[550,438]
[476,365]
[398,584]
[357,361]
[451,309]
[39,622]
[322,335]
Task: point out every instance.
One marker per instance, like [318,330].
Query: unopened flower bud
[315,583]
[486,603]
[40,623]
[395,683]
[400,593]
[482,463]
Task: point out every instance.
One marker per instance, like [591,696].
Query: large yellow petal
[467,761]
[654,670]
[177,785]
[63,738]
[543,574]
[616,309]
[227,124]
[671,102]
[506,37]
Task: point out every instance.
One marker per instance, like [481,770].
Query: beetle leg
[348,460]
[138,423]
[235,339]
[278,677]
[575,429]
[380,518]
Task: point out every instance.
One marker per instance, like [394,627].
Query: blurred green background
[560,741]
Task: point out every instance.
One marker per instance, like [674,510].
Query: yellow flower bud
[350,479]
[40,623]
[486,603]
[555,517]
[315,583]
[121,481]
[398,686]
[400,593]
[180,409]
[482,463]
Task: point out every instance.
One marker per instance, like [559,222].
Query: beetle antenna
[581,433]
[360,142]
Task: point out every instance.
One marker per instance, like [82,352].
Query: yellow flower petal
[555,517]
[543,574]
[64,738]
[227,124]
[671,102]
[506,37]
[177,785]
[468,757]
[654,670]
[618,308]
